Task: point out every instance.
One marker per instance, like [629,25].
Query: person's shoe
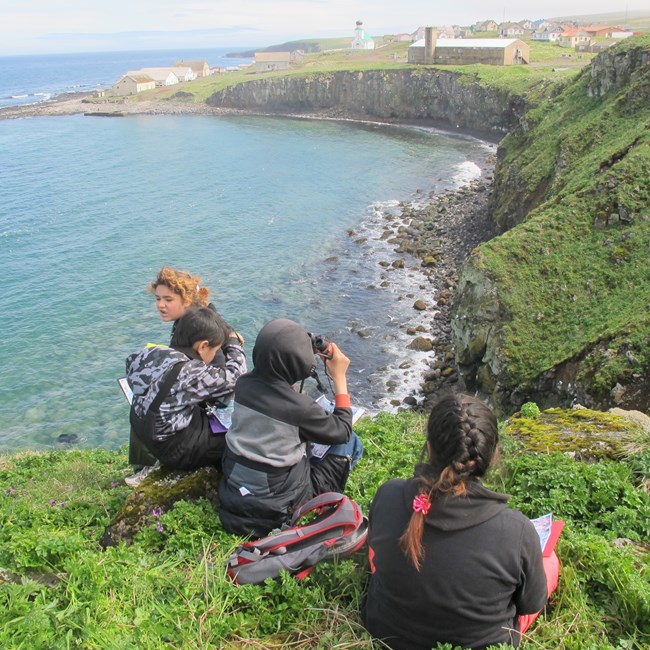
[139,476]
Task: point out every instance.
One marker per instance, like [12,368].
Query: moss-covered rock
[582,433]
[157,494]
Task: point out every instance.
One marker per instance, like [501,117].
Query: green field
[168,589]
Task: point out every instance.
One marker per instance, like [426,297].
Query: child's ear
[198,346]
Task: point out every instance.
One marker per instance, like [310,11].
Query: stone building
[132,84]
[465,51]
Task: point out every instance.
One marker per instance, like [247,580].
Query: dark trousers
[139,455]
[193,447]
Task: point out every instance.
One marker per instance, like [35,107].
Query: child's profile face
[169,304]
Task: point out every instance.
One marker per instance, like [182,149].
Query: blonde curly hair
[187,286]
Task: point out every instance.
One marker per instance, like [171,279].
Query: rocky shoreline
[440,235]
[440,232]
[76,103]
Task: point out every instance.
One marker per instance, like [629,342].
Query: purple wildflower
[52,502]
[10,492]
[159,527]
[156,512]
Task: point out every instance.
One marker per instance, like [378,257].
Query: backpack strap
[336,513]
[319,501]
[165,387]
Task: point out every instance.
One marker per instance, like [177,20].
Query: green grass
[335,56]
[58,589]
[565,284]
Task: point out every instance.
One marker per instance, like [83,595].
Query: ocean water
[31,79]
[280,218]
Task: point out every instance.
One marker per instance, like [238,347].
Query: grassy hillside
[307,45]
[636,20]
[550,63]
[577,271]
[58,589]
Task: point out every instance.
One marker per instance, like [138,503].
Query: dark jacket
[482,568]
[266,473]
[177,432]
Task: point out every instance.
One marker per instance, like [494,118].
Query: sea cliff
[438,96]
[554,308]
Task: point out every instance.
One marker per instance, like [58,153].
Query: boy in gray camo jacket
[174,388]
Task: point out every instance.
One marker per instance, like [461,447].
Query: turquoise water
[91,208]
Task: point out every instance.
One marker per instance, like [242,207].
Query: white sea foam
[466,172]
[403,375]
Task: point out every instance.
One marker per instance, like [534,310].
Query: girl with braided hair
[450,562]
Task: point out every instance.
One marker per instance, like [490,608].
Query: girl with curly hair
[175,292]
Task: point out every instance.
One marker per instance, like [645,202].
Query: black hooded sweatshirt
[482,567]
[266,473]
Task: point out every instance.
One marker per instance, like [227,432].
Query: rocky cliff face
[571,189]
[421,94]
[616,68]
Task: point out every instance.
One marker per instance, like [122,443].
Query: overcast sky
[49,26]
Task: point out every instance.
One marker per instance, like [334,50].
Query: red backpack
[338,530]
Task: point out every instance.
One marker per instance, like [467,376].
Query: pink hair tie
[421,504]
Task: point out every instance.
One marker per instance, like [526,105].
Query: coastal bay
[339,284]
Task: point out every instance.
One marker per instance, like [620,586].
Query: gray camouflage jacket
[196,383]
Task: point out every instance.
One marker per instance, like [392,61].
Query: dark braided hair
[462,437]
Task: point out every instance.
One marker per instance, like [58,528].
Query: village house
[595,46]
[132,83]
[273,61]
[485,26]
[574,37]
[548,34]
[184,73]
[446,31]
[596,31]
[511,30]
[490,51]
[200,68]
[619,33]
[361,41]
[162,76]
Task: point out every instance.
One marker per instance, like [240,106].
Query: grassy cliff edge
[58,589]
[568,283]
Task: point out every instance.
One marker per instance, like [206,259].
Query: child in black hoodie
[267,471]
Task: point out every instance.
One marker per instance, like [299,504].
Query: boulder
[157,494]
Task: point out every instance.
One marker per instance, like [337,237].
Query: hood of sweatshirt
[449,512]
[283,351]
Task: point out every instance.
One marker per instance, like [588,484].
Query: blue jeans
[352,449]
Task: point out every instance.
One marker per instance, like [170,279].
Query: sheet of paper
[543,527]
[126,389]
